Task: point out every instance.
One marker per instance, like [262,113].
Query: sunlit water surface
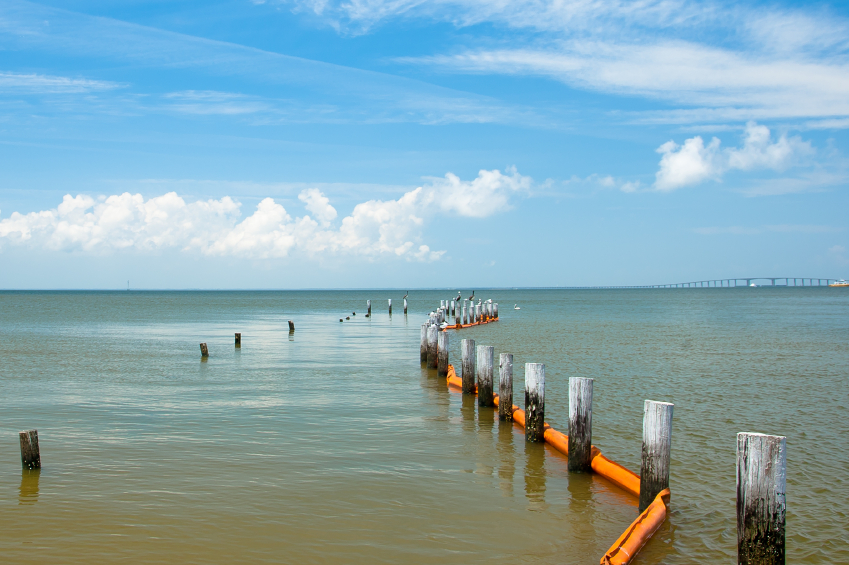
[333,445]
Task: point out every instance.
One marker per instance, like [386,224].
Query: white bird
[443,325]
[516,307]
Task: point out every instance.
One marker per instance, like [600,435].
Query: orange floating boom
[639,532]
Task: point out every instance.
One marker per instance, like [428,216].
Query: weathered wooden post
[291,326]
[30,454]
[390,306]
[657,449]
[580,423]
[204,351]
[423,347]
[442,354]
[477,312]
[463,316]
[505,386]
[534,402]
[238,339]
[483,363]
[432,336]
[456,318]
[405,305]
[761,504]
[453,309]
[368,304]
[495,310]
[468,376]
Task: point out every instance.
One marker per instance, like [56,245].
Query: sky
[421,143]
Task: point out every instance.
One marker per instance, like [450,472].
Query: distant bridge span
[731,283]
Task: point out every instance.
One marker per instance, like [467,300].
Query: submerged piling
[484,362]
[534,402]
[442,354]
[238,339]
[423,347]
[761,503]
[204,351]
[468,376]
[657,449]
[30,454]
[291,326]
[432,332]
[580,423]
[505,386]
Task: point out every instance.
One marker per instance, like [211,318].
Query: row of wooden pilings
[761,459]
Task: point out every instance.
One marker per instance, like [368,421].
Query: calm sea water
[335,445]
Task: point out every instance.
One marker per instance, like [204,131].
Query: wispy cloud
[781,228]
[48,84]
[306,90]
[713,60]
[214,227]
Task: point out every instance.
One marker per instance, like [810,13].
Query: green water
[335,445]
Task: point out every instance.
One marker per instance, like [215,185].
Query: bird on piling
[405,296]
[459,296]
[472,297]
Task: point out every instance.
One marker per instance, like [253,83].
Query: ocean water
[334,444]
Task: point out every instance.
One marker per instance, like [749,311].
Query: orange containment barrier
[640,531]
[461,326]
[614,472]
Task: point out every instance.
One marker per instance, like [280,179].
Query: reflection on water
[506,457]
[29,486]
[535,475]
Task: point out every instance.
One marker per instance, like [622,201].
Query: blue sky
[410,143]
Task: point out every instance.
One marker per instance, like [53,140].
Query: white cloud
[694,162]
[319,205]
[214,227]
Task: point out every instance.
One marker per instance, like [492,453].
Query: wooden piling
[368,304]
[238,339]
[453,309]
[405,305]
[390,306]
[30,454]
[463,316]
[477,312]
[442,354]
[483,364]
[505,386]
[580,423]
[495,309]
[204,351]
[291,326]
[657,448]
[468,376]
[534,402]
[432,336]
[761,504]
[423,347]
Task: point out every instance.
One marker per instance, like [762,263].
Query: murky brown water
[334,445]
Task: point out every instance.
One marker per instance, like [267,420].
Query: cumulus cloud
[694,162]
[215,227]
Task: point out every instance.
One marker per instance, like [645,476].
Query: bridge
[724,283]
[748,281]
